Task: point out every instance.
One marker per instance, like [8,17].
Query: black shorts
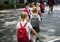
[30,40]
[42,11]
[36,29]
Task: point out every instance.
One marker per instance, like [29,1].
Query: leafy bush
[21,5]
[1,7]
[10,6]
[7,6]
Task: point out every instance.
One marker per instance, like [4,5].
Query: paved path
[50,26]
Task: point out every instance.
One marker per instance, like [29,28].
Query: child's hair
[34,10]
[34,3]
[23,15]
[27,3]
[42,2]
[37,4]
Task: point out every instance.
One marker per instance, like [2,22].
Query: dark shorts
[30,40]
[42,11]
[36,29]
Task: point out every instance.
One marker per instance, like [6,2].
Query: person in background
[36,5]
[50,4]
[42,6]
[27,8]
[39,10]
[33,5]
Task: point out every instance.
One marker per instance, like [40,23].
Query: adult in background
[51,4]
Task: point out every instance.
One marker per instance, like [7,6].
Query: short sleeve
[39,18]
[30,26]
[18,25]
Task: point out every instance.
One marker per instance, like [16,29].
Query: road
[50,25]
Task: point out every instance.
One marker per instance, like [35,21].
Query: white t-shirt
[28,26]
[31,16]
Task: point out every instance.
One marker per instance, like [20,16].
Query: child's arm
[16,34]
[40,14]
[17,31]
[39,18]
[34,32]
[30,26]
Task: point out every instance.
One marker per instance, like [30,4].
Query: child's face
[33,5]
[29,5]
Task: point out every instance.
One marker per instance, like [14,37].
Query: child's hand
[37,35]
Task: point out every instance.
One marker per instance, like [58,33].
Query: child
[39,10]
[36,5]
[24,27]
[33,5]
[35,18]
[27,9]
[42,6]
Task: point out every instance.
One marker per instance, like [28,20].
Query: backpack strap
[24,25]
[21,25]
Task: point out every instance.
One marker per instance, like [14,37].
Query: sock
[33,40]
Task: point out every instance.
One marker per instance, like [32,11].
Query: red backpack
[42,6]
[23,34]
[39,13]
[26,10]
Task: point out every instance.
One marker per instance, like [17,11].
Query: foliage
[10,6]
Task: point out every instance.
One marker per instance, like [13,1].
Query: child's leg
[34,38]
[37,38]
[38,31]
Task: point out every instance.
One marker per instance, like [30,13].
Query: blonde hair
[23,15]
[37,4]
[34,10]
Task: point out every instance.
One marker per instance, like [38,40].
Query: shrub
[10,6]
[21,5]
